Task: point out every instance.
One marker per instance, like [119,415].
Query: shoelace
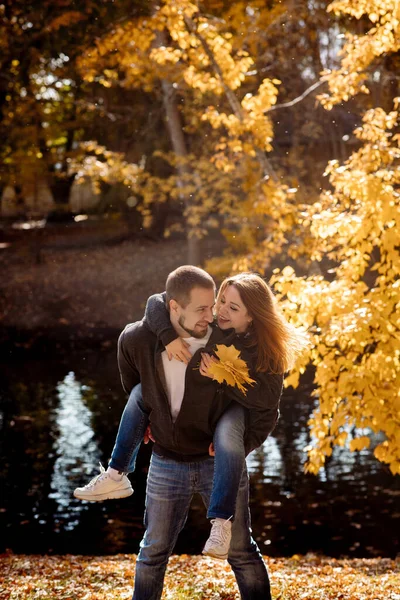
[95,479]
[219,533]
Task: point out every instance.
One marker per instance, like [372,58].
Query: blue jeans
[130,434]
[229,462]
[170,488]
[228,445]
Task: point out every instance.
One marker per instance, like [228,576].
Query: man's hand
[206,361]
[148,436]
[211,450]
[178,349]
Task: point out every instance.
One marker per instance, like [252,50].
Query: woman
[247,311]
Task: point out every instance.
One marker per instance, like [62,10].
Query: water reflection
[76,450]
[283,455]
[59,422]
[266,462]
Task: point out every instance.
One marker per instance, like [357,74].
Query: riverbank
[86,293]
[307,577]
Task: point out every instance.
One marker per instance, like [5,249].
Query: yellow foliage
[65,20]
[198,55]
[230,368]
[360,443]
[360,51]
[95,163]
[355,317]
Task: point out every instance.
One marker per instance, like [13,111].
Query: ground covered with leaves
[80,291]
[196,578]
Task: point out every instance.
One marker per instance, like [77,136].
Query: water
[58,419]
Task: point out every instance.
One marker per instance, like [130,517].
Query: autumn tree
[43,105]
[219,128]
[353,309]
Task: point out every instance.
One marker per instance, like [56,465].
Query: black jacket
[139,361]
[261,399]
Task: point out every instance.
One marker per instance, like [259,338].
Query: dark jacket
[139,361]
[261,399]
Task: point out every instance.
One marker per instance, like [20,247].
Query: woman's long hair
[278,343]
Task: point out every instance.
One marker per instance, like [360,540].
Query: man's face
[193,320]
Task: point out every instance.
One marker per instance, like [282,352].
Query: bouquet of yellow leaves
[230,368]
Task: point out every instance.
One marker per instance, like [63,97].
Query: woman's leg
[130,434]
[114,483]
[244,555]
[229,462]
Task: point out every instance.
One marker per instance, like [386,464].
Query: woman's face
[230,310]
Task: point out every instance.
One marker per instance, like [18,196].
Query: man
[182,419]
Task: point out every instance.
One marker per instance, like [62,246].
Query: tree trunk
[235,105]
[175,130]
[61,189]
[177,138]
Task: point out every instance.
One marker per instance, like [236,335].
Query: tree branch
[308,91]
[233,101]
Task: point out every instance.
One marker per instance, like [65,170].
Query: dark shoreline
[16,343]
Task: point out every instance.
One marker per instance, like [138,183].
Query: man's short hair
[181,282]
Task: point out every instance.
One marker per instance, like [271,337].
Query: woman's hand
[206,361]
[178,349]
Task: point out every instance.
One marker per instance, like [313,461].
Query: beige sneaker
[102,487]
[219,541]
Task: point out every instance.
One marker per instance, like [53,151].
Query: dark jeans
[170,488]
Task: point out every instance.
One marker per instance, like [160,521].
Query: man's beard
[191,332]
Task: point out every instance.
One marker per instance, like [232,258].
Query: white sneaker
[219,541]
[102,487]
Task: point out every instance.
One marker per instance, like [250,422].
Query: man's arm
[126,362]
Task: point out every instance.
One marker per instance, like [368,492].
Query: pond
[58,420]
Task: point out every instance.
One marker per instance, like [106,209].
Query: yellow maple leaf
[230,368]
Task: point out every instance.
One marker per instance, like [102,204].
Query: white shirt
[175,372]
